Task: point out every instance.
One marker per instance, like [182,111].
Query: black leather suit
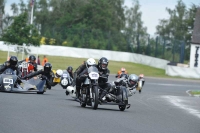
[7,65]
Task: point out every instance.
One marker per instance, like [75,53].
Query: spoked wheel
[95,97]
[82,101]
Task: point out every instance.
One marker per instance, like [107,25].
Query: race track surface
[162,107]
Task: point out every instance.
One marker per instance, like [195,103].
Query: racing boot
[103,93]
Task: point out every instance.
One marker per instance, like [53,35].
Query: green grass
[60,62]
[195,92]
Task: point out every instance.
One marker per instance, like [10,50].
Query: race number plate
[65,75]
[7,80]
[24,65]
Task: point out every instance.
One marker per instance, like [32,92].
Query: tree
[15,9]
[176,28]
[2,6]
[19,32]
[134,29]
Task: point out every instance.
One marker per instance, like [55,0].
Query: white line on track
[172,85]
[179,103]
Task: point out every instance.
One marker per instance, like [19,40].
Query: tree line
[96,24]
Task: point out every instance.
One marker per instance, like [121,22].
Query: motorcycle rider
[79,74]
[103,79]
[32,62]
[46,74]
[121,71]
[56,76]
[70,71]
[11,63]
[131,83]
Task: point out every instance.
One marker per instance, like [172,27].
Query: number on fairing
[94,75]
[7,80]
[24,65]
[65,75]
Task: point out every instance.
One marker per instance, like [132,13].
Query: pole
[32,7]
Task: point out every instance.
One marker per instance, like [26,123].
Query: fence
[159,47]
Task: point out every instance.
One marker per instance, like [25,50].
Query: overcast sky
[152,10]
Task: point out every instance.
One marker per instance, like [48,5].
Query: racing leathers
[47,76]
[124,82]
[103,79]
[77,79]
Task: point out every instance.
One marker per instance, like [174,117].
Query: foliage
[108,25]
[19,32]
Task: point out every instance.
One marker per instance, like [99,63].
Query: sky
[152,10]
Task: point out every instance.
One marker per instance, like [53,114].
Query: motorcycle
[10,82]
[89,89]
[25,68]
[140,83]
[66,80]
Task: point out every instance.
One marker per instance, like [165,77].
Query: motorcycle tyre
[95,96]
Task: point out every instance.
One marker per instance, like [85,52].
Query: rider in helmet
[103,79]
[56,76]
[70,71]
[32,62]
[11,63]
[79,74]
[131,83]
[121,72]
[46,74]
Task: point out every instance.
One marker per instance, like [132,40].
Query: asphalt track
[162,107]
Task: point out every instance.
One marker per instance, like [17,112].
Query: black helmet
[13,61]
[103,63]
[47,67]
[69,69]
[32,58]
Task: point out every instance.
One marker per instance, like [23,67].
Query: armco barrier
[94,53]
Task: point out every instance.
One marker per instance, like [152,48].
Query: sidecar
[10,82]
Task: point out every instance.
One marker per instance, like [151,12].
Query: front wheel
[95,97]
[124,99]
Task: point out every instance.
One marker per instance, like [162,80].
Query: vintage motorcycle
[25,68]
[90,89]
[10,82]
[141,82]
[66,80]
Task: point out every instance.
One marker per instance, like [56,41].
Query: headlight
[64,82]
[94,75]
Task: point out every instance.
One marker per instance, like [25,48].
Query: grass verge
[61,62]
[195,92]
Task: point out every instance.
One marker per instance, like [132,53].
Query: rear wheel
[40,92]
[122,107]
[95,97]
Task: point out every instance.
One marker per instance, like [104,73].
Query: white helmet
[90,62]
[59,73]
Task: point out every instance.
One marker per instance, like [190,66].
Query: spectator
[38,60]
[45,60]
